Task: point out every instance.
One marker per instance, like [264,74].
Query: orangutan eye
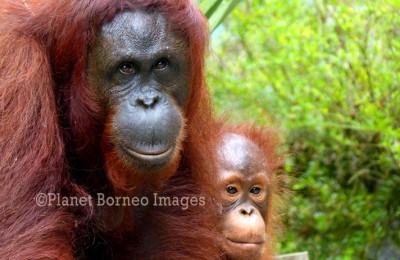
[231,190]
[255,190]
[161,64]
[127,68]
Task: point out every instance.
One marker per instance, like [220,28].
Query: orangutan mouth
[149,155]
[246,244]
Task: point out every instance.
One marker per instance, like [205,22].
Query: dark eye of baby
[231,190]
[255,190]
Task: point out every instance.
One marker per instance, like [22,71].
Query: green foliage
[217,10]
[327,73]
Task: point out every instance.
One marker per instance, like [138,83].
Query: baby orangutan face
[244,192]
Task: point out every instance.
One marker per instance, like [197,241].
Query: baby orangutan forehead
[238,153]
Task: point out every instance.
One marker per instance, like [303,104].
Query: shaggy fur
[51,139]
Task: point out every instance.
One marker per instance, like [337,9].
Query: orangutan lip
[245,243]
[152,155]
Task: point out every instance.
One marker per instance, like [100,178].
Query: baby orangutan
[246,185]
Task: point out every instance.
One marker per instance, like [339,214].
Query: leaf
[217,10]
[209,6]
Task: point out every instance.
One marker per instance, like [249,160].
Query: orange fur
[268,141]
[52,127]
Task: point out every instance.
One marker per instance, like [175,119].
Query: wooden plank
[293,256]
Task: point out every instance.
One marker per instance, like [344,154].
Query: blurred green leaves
[217,10]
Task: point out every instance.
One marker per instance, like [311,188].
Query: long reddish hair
[63,32]
[50,121]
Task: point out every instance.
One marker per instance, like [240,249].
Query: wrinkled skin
[139,70]
[243,185]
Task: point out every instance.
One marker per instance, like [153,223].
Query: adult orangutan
[248,192]
[107,97]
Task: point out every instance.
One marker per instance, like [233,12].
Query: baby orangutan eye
[231,190]
[255,190]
